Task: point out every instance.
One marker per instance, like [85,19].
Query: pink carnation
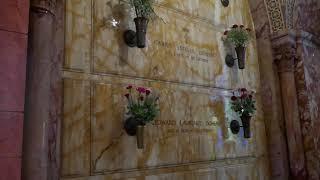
[141,89]
[129,87]
[233,98]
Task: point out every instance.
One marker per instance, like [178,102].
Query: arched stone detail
[290,4]
[288,8]
[275,15]
[280,14]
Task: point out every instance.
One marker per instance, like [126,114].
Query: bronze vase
[241,54]
[141,31]
[140,136]
[245,119]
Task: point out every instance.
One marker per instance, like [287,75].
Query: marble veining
[184,60]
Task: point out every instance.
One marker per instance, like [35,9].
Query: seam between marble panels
[218,163]
[91,77]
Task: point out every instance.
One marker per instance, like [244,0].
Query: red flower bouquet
[142,104]
[243,103]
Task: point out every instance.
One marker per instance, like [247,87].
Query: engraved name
[186,51]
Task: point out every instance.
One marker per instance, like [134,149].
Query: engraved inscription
[185,51]
[182,126]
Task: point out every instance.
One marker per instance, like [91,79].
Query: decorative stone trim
[290,4]
[284,46]
[275,15]
[285,56]
[284,50]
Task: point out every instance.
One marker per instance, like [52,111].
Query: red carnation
[243,96]
[226,33]
[141,89]
[235,26]
[243,90]
[233,98]
[127,96]
[241,26]
[129,87]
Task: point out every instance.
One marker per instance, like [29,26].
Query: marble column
[284,46]
[42,65]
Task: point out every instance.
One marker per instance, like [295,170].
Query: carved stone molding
[47,6]
[287,10]
[289,13]
[284,45]
[280,13]
[285,56]
[275,15]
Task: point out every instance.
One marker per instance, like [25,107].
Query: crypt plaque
[179,49]
[191,127]
[184,60]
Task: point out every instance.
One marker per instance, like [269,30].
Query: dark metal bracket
[230,60]
[130,126]
[225,3]
[130,38]
[235,127]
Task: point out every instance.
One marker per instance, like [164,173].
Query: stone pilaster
[40,150]
[285,54]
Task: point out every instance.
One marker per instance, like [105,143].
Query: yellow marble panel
[229,145]
[212,11]
[198,8]
[260,129]
[180,49]
[238,12]
[189,175]
[183,59]
[75,153]
[240,172]
[172,139]
[201,174]
[78,35]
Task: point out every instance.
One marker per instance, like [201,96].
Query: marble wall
[307,16]
[184,60]
[308,88]
[13,53]
[308,13]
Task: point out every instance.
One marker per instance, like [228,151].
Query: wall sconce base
[130,38]
[235,127]
[225,3]
[230,60]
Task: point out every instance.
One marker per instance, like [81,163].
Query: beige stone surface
[184,61]
[78,35]
[75,137]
